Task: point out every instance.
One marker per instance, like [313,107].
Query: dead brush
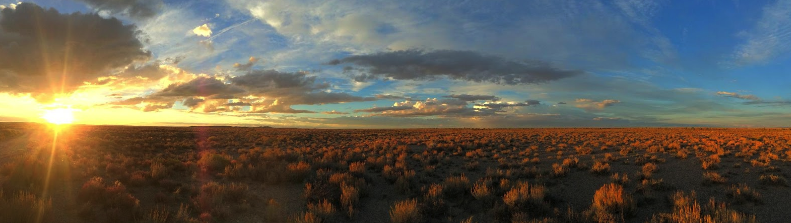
[406,211]
[710,178]
[742,193]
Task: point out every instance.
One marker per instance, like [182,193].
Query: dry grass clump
[687,210]
[405,212]
[306,217]
[455,186]
[481,191]
[215,199]
[524,195]
[211,161]
[648,170]
[621,179]
[25,207]
[600,168]
[571,162]
[773,180]
[559,170]
[323,209]
[710,162]
[357,167]
[742,193]
[158,171]
[611,204]
[115,199]
[710,178]
[297,171]
[350,196]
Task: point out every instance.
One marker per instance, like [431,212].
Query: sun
[59,116]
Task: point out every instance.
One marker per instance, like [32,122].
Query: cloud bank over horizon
[442,64]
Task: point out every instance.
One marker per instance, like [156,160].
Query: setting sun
[59,116]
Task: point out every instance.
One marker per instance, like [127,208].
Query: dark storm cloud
[41,48]
[292,87]
[139,9]
[201,86]
[459,65]
[467,97]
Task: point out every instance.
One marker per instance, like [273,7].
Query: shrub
[405,212]
[621,179]
[610,203]
[297,171]
[649,169]
[774,180]
[357,167]
[323,209]
[524,195]
[210,161]
[571,162]
[742,193]
[686,209]
[710,178]
[456,185]
[25,207]
[559,170]
[158,171]
[306,217]
[600,168]
[482,192]
[349,198]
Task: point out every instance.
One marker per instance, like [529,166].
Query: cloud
[739,96]
[390,97]
[257,91]
[138,9]
[42,48]
[333,112]
[201,86]
[383,109]
[467,97]
[769,38]
[499,106]
[590,105]
[202,30]
[753,100]
[453,64]
[246,66]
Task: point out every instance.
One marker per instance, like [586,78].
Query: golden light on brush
[59,116]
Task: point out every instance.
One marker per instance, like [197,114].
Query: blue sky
[410,63]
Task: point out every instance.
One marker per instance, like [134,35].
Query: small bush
[298,171]
[773,180]
[349,198]
[742,193]
[600,168]
[611,203]
[482,192]
[649,169]
[158,171]
[621,179]
[559,170]
[524,195]
[405,212]
[210,161]
[306,217]
[686,209]
[710,178]
[455,186]
[25,207]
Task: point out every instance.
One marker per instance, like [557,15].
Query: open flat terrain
[229,174]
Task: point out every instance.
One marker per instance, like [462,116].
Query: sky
[398,64]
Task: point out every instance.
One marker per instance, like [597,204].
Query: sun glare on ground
[59,116]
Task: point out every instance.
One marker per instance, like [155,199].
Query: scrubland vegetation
[225,174]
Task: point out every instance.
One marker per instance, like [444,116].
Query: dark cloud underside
[459,65]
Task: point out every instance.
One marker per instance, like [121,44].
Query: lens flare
[59,116]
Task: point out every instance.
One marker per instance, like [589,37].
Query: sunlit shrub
[743,193]
[611,203]
[405,212]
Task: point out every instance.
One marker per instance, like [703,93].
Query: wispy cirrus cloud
[769,38]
